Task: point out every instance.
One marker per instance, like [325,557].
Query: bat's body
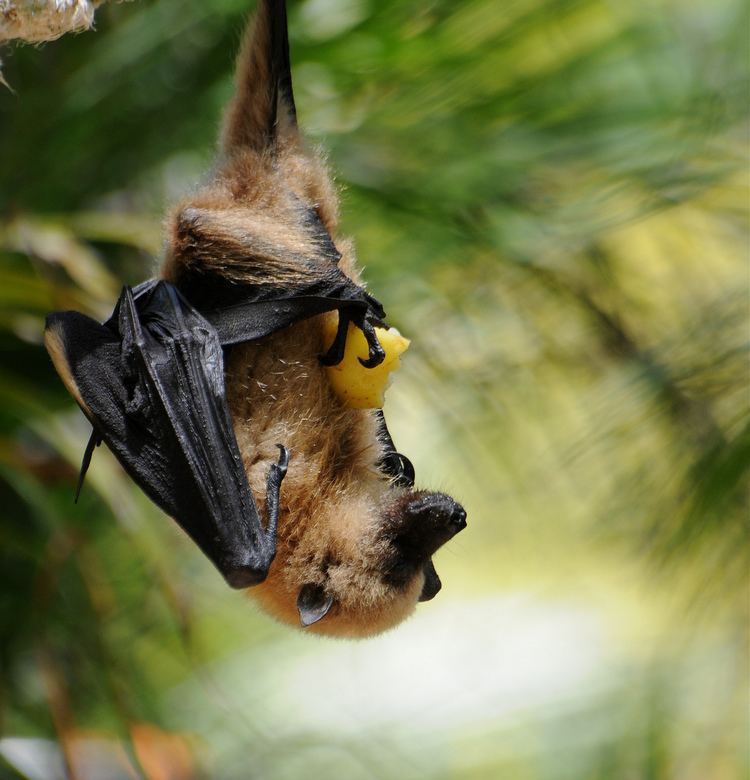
[253,263]
[334,496]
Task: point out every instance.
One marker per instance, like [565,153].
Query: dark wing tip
[241,577]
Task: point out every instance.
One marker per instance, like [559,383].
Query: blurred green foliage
[550,196]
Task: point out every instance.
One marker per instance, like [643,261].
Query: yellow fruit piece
[357,386]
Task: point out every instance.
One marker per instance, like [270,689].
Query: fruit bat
[209,383]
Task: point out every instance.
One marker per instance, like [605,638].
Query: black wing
[151,381]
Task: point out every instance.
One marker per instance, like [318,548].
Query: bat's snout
[428,521]
[438,511]
[458,518]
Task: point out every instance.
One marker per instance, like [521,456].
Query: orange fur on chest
[278,393]
[334,494]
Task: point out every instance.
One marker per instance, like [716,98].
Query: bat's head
[366,578]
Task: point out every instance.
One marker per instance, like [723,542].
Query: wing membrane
[153,388]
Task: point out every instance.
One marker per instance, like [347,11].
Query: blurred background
[550,197]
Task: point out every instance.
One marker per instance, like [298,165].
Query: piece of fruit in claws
[356,386]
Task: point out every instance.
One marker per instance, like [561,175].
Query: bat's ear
[262,110]
[313,604]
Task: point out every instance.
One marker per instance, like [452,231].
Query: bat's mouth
[432,583]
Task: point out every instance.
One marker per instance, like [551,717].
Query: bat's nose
[458,518]
[428,521]
[442,513]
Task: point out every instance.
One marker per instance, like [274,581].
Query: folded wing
[151,381]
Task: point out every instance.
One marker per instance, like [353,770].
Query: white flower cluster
[35,21]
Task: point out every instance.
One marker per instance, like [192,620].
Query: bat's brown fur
[246,226]
[333,497]
[54,345]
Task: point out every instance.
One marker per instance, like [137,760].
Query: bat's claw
[94,441]
[333,357]
[335,352]
[377,353]
[283,461]
[377,356]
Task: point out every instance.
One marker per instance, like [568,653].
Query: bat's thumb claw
[283,458]
[377,356]
[94,441]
